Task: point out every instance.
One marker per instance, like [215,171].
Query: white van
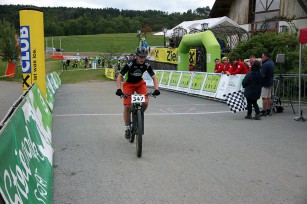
[50,49]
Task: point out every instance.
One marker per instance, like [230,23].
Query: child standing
[252,83]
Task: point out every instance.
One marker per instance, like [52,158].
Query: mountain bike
[137,119]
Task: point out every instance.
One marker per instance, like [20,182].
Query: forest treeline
[63,21]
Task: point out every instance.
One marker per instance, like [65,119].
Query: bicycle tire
[132,127]
[139,133]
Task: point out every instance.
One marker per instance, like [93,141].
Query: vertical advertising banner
[197,82]
[159,75]
[165,79]
[211,85]
[32,48]
[175,78]
[184,82]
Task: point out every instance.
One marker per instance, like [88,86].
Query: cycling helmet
[141,51]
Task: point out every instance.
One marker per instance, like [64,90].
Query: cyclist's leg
[142,89]
[128,88]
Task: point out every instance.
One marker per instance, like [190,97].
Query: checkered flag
[235,101]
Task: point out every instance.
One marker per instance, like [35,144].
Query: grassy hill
[124,43]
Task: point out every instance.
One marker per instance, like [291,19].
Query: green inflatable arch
[208,40]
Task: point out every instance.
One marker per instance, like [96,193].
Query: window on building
[264,13]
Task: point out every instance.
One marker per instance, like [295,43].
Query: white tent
[212,23]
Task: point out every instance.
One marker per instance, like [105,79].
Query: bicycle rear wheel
[139,133]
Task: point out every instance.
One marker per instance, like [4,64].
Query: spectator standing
[143,43]
[249,62]
[252,83]
[86,62]
[118,65]
[238,67]
[102,62]
[226,66]
[191,67]
[67,62]
[218,66]
[64,66]
[171,43]
[75,63]
[267,86]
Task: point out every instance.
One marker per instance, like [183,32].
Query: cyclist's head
[141,51]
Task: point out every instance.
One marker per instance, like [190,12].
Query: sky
[169,6]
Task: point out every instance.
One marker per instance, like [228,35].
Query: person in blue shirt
[267,70]
[143,43]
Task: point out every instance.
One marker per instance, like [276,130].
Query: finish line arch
[208,40]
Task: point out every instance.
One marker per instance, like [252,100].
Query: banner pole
[300,117]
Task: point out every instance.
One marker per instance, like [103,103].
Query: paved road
[195,151]
[9,93]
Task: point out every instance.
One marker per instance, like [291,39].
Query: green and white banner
[213,85]
[53,83]
[165,79]
[197,82]
[210,86]
[174,80]
[26,152]
[184,83]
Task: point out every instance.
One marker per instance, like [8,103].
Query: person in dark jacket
[252,83]
[267,69]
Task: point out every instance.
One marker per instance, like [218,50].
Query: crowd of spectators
[258,80]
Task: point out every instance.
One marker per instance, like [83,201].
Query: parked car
[50,49]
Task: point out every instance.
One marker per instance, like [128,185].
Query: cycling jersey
[135,71]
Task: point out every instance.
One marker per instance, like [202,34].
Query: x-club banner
[170,55]
[32,48]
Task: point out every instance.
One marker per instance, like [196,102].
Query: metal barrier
[288,88]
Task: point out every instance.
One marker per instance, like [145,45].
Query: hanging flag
[235,101]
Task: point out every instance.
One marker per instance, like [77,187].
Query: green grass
[125,42]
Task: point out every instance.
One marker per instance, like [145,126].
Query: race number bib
[137,98]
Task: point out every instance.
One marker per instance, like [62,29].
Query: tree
[8,41]
[146,29]
[281,43]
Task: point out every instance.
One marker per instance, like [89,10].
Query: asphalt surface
[9,93]
[194,150]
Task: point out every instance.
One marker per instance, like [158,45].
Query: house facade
[263,15]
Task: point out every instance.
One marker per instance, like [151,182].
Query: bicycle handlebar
[148,94]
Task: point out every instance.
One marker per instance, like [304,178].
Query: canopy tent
[222,27]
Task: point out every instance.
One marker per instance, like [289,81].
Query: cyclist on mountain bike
[134,82]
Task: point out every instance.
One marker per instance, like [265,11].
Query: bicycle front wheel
[139,133]
[132,125]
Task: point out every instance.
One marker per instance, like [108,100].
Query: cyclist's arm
[155,81]
[120,75]
[119,81]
